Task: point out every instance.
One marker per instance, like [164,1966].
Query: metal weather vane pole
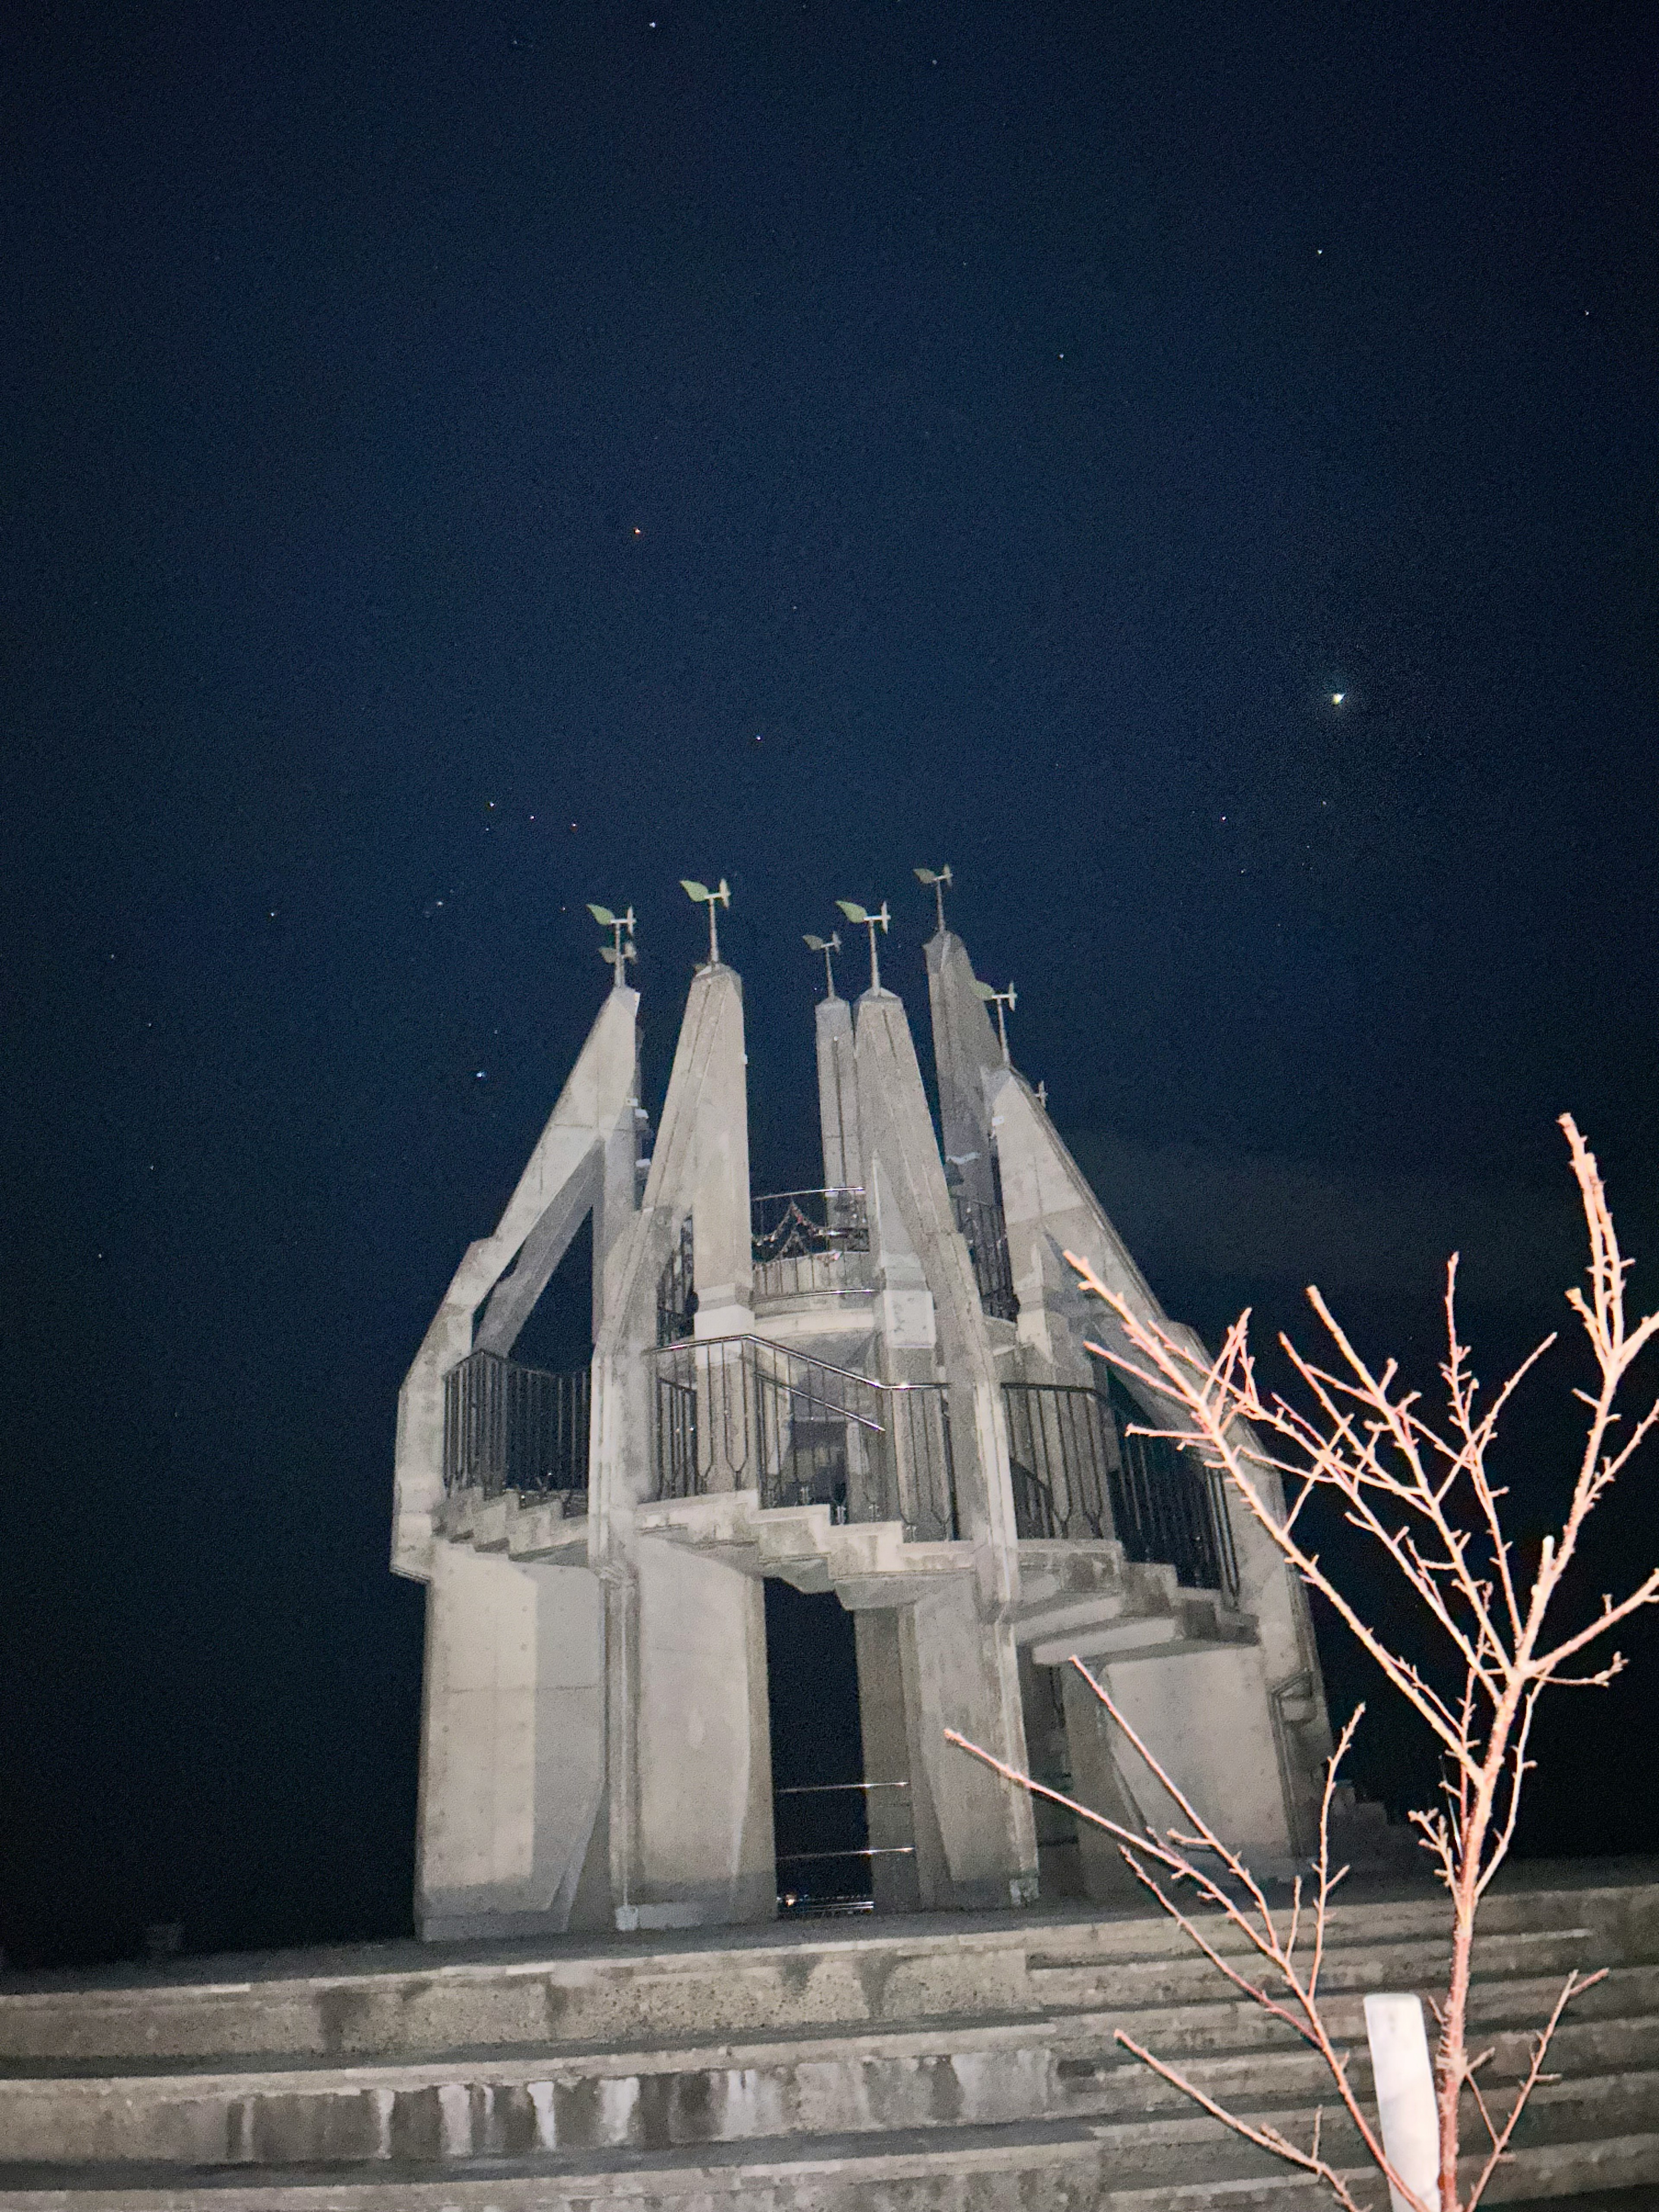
[936,879]
[827,945]
[616,954]
[700,895]
[1005,1002]
[872,922]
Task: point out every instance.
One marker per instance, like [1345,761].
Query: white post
[1405,2096]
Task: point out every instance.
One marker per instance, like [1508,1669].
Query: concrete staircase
[1084,1598]
[876,2066]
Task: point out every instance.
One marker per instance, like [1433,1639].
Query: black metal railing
[810,1240]
[508,1427]
[1060,1450]
[739,1413]
[1168,1505]
[1079,1470]
[677,1296]
[987,1248]
[789,1225]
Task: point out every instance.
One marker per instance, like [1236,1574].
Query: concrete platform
[851,2066]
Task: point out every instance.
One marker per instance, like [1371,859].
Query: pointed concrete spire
[700,1162]
[966,1051]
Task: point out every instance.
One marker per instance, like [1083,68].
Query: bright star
[1337,697]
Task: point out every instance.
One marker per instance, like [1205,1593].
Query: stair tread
[661,2055]
[1213,2167]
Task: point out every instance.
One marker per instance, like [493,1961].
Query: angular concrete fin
[561,1182]
[966,1051]
[699,1167]
[894,1121]
[838,1096]
[901,1159]
[1048,1209]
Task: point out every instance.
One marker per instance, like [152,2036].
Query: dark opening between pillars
[819,1823]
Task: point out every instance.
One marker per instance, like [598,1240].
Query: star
[1337,697]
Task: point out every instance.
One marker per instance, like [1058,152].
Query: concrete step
[964,2064]
[1062,2167]
[867,1562]
[407,1999]
[475,2105]
[1400,1962]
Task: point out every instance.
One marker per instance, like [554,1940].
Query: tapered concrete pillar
[838,1096]
[717,1065]
[690,1768]
[960,1666]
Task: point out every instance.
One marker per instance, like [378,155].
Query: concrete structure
[877,1391]
[966,2061]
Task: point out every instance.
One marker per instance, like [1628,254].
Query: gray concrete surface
[966,2061]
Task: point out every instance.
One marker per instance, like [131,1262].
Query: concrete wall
[512,1745]
[1203,1714]
[975,1840]
[704,1851]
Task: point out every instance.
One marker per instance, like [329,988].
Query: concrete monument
[876,1393]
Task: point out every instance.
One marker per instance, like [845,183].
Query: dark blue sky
[459,464]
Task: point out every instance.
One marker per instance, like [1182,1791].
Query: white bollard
[1405,2095]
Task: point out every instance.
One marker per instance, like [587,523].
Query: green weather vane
[1004,1003]
[937,880]
[827,945]
[700,895]
[618,954]
[872,922]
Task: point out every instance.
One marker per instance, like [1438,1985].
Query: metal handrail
[801,1359]
[741,1413]
[852,1852]
[1082,1466]
[511,1427]
[823,1789]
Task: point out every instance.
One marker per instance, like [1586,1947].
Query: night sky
[461,463]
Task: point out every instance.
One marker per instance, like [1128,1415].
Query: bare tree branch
[1424,1497]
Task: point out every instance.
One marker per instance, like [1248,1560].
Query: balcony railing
[810,1240]
[1060,1450]
[1078,1471]
[987,1248]
[508,1427]
[677,1296]
[739,1413]
[790,1224]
